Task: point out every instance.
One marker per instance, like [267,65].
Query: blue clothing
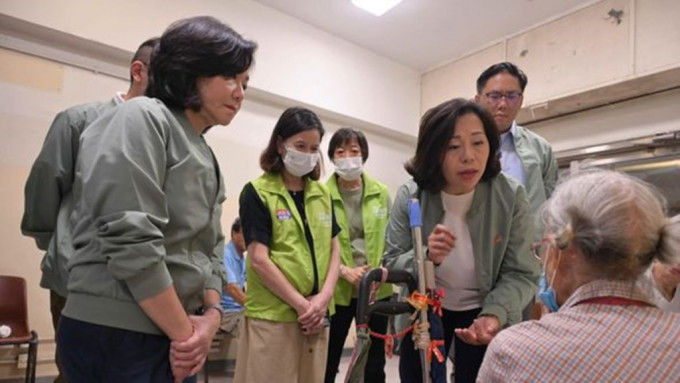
[235,266]
[510,161]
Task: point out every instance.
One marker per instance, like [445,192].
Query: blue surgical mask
[546,293]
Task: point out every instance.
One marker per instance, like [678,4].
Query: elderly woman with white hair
[603,229]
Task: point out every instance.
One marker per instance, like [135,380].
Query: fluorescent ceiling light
[376,7]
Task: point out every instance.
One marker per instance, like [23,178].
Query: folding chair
[14,313]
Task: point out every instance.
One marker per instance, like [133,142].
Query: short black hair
[437,127]
[193,48]
[504,67]
[236,226]
[346,135]
[293,121]
[144,52]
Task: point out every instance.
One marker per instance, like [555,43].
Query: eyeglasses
[539,248]
[497,97]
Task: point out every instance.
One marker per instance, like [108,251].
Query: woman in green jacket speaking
[362,207]
[476,230]
[293,258]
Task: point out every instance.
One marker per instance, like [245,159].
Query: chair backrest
[13,305]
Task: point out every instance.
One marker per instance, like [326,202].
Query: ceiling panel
[423,34]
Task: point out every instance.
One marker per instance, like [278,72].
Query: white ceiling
[424,34]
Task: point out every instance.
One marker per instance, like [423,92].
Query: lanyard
[615,301]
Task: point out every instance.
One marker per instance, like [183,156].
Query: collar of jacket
[273,183]
[370,186]
[434,200]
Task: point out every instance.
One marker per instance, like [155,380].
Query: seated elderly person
[603,229]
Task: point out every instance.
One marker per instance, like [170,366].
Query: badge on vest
[283,214]
[325,219]
[380,212]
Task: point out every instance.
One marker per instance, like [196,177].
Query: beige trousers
[279,352]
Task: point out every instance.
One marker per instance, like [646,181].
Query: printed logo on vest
[325,219]
[380,212]
[283,214]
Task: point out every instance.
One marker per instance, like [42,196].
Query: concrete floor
[219,372]
[223,372]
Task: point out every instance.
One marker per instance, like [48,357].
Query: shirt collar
[120,97]
[510,134]
[606,288]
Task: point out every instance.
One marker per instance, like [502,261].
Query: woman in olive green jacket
[362,207]
[476,230]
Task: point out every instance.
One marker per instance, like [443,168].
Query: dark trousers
[340,324]
[92,353]
[468,357]
[57,303]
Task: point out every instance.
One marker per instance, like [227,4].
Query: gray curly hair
[617,222]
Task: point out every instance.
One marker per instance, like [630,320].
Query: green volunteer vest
[375,214]
[288,248]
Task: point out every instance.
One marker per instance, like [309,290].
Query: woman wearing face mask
[362,207]
[293,258]
[603,229]
[475,225]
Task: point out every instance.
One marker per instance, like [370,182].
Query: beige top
[457,274]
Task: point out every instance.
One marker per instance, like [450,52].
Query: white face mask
[349,168]
[299,163]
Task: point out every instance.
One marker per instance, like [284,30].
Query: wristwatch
[215,306]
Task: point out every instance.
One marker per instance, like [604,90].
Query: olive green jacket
[148,202]
[48,199]
[501,234]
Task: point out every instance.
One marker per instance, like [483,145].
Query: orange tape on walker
[389,339]
[418,300]
[422,301]
[434,349]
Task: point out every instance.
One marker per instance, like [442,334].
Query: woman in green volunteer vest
[362,207]
[293,258]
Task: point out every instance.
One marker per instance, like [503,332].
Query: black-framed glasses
[539,248]
[497,97]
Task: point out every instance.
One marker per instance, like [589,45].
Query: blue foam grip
[414,213]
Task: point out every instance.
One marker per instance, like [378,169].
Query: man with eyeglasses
[525,155]
[48,202]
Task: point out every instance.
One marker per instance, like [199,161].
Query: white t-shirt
[457,274]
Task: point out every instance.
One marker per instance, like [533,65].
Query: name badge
[283,214]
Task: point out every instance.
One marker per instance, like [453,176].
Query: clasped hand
[312,316]
[188,356]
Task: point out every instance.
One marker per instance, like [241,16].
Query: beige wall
[583,55]
[295,60]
